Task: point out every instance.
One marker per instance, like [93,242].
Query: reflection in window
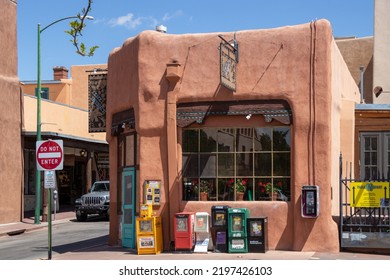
[208,142]
[226,164]
[208,165]
[263,139]
[190,140]
[225,140]
[219,157]
[281,139]
[190,165]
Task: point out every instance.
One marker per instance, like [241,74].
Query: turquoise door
[128,218]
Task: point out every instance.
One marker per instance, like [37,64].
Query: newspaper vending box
[219,227]
[257,234]
[149,232]
[237,232]
[184,230]
[202,232]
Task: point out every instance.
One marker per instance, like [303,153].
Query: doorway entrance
[128,218]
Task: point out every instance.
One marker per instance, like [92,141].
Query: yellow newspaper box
[149,234]
[145,210]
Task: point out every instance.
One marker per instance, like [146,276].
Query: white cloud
[168,16]
[128,21]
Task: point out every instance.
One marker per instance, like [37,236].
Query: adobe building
[256,106]
[368,61]
[11,163]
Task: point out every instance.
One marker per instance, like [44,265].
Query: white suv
[96,201]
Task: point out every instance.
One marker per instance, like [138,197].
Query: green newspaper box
[237,230]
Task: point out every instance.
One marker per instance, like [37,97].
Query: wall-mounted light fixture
[248,117]
[83,153]
[377,91]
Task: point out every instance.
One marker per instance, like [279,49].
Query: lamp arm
[54,22]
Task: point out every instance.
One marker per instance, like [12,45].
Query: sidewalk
[105,252]
[28,223]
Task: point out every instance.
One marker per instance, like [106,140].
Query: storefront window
[227,162]
[29,172]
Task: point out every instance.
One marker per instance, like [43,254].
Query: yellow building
[65,115]
[66,112]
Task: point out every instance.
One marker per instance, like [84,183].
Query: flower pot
[274,196]
[203,196]
[239,196]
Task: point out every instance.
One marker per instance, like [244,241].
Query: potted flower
[204,189]
[240,187]
[271,190]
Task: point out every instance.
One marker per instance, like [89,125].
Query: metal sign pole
[49,225]
[50,179]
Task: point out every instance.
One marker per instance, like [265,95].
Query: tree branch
[77,26]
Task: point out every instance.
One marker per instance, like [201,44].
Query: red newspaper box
[184,230]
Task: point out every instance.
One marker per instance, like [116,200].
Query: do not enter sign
[50,155]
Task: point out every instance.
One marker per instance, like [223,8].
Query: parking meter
[55,196]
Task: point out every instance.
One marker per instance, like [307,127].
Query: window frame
[238,152]
[383,149]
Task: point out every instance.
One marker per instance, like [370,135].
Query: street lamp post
[39,123]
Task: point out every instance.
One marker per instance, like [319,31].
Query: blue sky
[116,20]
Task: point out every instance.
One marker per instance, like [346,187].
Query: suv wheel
[81,217]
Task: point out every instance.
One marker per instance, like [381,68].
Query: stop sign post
[50,155]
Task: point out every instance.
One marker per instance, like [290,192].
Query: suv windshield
[101,187]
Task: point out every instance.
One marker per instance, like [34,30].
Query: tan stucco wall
[58,118]
[79,93]
[292,63]
[72,91]
[382,49]
[345,95]
[58,92]
[11,163]
[359,52]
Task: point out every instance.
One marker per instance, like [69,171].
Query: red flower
[280,184]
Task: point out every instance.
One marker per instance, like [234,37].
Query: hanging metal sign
[228,66]
[97,85]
